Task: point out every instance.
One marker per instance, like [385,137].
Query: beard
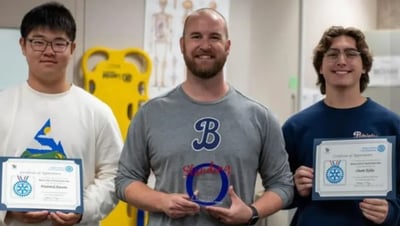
[204,72]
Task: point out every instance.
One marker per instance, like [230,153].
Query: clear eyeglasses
[57,45]
[334,54]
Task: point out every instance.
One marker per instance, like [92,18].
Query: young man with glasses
[342,60]
[48,117]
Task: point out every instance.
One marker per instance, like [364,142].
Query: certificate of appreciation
[41,184]
[354,168]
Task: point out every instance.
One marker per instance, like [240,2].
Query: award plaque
[207,184]
[354,168]
[41,184]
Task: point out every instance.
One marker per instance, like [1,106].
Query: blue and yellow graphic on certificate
[354,168]
[41,184]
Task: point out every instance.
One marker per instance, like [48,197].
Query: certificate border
[78,209]
[390,195]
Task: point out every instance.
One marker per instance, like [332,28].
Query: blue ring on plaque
[222,193]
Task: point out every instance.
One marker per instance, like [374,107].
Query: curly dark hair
[326,42]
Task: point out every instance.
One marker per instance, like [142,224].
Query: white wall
[265,51]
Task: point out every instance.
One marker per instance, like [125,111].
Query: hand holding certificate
[354,168]
[41,184]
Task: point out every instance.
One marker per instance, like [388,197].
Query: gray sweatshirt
[235,136]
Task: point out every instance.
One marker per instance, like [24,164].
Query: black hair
[52,15]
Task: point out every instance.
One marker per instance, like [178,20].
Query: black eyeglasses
[334,54]
[57,45]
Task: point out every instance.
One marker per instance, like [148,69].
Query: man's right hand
[179,205]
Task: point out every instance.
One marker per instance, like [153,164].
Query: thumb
[234,197]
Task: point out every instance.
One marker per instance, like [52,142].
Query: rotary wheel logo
[334,174]
[22,187]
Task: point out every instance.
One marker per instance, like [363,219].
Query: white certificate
[41,184]
[354,168]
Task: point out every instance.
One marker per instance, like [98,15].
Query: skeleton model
[162,43]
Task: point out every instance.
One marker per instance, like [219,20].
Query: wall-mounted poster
[163,29]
